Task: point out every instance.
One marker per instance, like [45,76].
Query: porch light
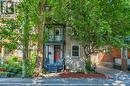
[47,7]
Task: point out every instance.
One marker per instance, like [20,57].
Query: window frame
[11,8]
[5,9]
[72,50]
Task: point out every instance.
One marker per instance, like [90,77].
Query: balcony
[55,39]
[55,35]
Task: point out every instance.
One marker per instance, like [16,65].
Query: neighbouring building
[115,58]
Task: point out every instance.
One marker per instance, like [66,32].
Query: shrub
[30,65]
[14,67]
[88,67]
[3,74]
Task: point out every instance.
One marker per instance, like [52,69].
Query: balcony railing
[56,39]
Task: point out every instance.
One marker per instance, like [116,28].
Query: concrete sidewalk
[107,71]
[59,82]
[114,74]
[114,81]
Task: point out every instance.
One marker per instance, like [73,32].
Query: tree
[117,14]
[100,23]
[95,23]
[8,36]
[33,11]
[88,26]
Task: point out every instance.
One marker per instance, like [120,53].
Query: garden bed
[82,75]
[3,70]
[3,73]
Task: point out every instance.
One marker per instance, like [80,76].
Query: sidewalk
[114,74]
[107,71]
[114,81]
[59,82]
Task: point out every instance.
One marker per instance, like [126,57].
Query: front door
[57,53]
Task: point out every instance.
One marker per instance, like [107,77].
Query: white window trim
[71,50]
[14,3]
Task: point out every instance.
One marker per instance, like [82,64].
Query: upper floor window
[75,50]
[10,7]
[57,32]
[7,7]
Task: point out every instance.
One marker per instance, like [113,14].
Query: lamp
[47,7]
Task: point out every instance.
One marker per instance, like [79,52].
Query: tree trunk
[88,59]
[26,34]
[40,31]
[124,56]
[40,55]
[25,57]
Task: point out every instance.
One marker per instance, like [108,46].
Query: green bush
[13,69]
[3,74]
[88,67]
[13,59]
[30,66]
[13,66]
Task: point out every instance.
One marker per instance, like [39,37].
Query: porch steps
[52,68]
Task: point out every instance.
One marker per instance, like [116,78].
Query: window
[3,7]
[75,50]
[10,7]
[57,32]
[7,7]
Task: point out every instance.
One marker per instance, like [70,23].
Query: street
[61,82]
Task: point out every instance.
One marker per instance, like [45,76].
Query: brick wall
[115,53]
[105,57]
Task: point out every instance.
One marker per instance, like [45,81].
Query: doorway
[57,53]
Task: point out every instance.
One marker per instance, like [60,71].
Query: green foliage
[88,67]
[30,65]
[3,74]
[31,19]
[13,59]
[13,66]
[8,32]
[95,22]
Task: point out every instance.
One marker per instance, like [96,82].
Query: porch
[54,58]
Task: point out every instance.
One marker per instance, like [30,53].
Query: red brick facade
[115,53]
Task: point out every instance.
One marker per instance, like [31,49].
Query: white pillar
[2,55]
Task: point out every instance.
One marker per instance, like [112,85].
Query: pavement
[118,78]
[59,82]
[115,74]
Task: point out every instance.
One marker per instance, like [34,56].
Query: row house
[61,52]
